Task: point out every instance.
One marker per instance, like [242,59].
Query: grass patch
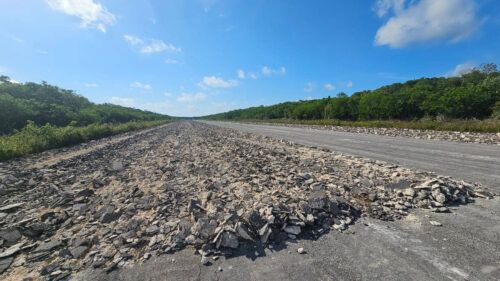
[34,139]
[482,126]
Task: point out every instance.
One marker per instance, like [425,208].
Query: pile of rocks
[193,185]
[466,137]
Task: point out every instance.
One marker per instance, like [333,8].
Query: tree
[488,68]
[44,103]
[4,79]
[472,95]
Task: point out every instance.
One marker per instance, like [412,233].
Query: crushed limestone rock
[189,184]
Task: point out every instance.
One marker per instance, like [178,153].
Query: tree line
[475,94]
[48,104]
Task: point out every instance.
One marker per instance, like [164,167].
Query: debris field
[189,184]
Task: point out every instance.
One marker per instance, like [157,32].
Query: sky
[198,57]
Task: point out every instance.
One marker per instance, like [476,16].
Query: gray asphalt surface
[466,247]
[471,162]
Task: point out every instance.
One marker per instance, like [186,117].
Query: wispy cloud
[132,40]
[425,20]
[382,7]
[128,102]
[349,84]
[150,46]
[217,82]
[91,85]
[268,71]
[158,106]
[158,46]
[241,73]
[171,61]
[310,86]
[139,85]
[461,69]
[252,75]
[329,87]
[90,13]
[191,98]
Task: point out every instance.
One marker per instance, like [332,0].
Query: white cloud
[308,98]
[349,84]
[150,46]
[91,85]
[128,102]
[191,98]
[461,69]
[159,106]
[91,14]
[329,87]
[132,40]
[171,61]
[217,82]
[425,20]
[252,75]
[168,94]
[241,74]
[310,87]
[267,71]
[158,46]
[382,7]
[139,85]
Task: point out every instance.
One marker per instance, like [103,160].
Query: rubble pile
[466,137]
[189,184]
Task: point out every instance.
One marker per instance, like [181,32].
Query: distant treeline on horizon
[47,104]
[475,94]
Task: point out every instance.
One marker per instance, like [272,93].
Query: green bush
[496,111]
[34,138]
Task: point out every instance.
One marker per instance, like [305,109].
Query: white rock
[435,223]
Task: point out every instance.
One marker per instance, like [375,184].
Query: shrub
[34,138]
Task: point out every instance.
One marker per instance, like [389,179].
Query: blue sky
[191,58]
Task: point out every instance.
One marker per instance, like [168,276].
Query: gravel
[465,137]
[193,185]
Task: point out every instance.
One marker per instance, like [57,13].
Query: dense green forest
[472,95]
[36,117]
[47,104]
